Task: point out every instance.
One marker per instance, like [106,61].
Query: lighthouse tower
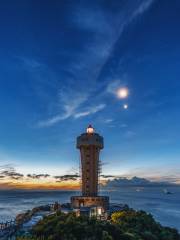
[90,145]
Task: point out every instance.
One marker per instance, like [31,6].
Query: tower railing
[99,173]
[80,174]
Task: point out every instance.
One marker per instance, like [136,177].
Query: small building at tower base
[83,201]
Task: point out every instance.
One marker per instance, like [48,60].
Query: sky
[62,64]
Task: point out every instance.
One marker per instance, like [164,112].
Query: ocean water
[164,207]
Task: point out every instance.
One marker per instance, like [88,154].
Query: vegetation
[141,225]
[123,225]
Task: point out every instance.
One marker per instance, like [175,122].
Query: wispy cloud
[70,102]
[102,30]
[123,125]
[72,111]
[113,86]
[90,111]
[108,120]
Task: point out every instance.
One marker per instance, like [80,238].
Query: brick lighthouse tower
[90,144]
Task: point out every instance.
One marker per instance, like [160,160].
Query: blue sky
[60,66]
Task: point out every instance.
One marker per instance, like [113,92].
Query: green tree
[124,225]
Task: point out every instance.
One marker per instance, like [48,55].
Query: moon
[122,92]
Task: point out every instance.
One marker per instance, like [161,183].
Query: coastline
[164,207]
[23,223]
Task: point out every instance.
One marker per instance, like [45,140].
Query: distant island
[134,181]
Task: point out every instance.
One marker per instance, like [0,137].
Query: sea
[164,207]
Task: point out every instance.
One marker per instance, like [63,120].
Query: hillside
[123,225]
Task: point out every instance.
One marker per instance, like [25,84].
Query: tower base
[82,201]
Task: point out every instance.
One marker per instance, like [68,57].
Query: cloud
[71,104]
[8,171]
[113,86]
[67,177]
[108,120]
[107,176]
[71,101]
[100,29]
[90,111]
[37,176]
[11,174]
[10,179]
[7,167]
[143,7]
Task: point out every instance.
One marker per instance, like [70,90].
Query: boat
[140,189]
[166,191]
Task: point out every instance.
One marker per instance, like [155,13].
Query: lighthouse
[89,144]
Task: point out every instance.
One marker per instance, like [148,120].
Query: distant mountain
[135,181]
